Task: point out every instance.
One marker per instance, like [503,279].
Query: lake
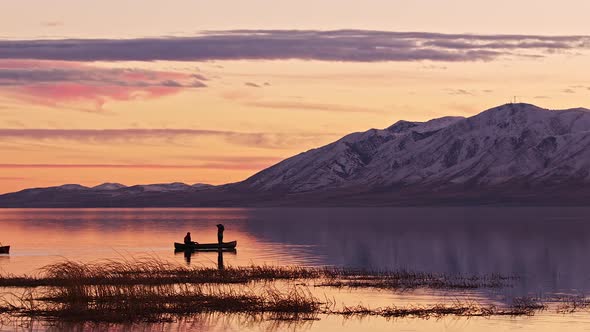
[546,247]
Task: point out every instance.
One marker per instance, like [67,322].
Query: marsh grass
[571,304]
[153,271]
[151,290]
[403,280]
[458,308]
[156,303]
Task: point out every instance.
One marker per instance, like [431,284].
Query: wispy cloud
[339,45]
[131,135]
[233,166]
[574,88]
[57,83]
[12,178]
[466,92]
[52,24]
[218,162]
[459,92]
[310,106]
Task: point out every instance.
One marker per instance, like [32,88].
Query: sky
[141,92]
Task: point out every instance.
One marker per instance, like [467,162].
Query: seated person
[187,238]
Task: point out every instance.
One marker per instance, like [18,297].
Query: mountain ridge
[510,154]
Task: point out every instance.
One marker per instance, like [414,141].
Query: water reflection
[188,254]
[227,322]
[547,246]
[220,265]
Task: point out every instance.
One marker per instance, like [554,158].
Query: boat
[206,246]
[4,249]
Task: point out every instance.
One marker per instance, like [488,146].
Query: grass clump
[403,280]
[152,271]
[520,307]
[144,271]
[156,303]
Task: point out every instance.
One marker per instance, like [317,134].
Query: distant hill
[512,154]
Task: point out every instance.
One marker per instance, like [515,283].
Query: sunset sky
[193,91]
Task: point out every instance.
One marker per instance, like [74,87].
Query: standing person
[220,230]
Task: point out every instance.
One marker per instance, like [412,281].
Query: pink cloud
[85,87]
[71,93]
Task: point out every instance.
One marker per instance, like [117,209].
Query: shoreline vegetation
[152,290]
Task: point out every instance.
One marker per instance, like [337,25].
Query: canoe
[4,250]
[205,246]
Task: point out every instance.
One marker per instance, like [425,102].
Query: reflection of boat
[4,249]
[230,250]
[206,246]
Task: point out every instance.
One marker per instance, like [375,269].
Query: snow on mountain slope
[175,186]
[510,143]
[71,187]
[109,186]
[202,186]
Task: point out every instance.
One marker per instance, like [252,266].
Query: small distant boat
[206,246]
[4,249]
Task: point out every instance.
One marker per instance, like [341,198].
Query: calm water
[547,247]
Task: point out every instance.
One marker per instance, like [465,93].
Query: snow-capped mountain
[513,143]
[163,187]
[511,154]
[71,187]
[109,186]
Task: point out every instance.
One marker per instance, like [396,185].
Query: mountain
[71,187]
[512,154]
[513,143]
[108,186]
[162,187]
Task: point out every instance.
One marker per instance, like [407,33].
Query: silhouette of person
[187,256]
[220,230]
[220,259]
[187,238]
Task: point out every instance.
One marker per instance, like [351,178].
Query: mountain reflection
[546,246]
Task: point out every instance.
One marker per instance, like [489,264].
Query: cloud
[466,92]
[572,88]
[338,45]
[195,162]
[568,90]
[209,165]
[17,73]
[253,85]
[310,106]
[459,92]
[52,24]
[12,178]
[231,159]
[133,135]
[56,83]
